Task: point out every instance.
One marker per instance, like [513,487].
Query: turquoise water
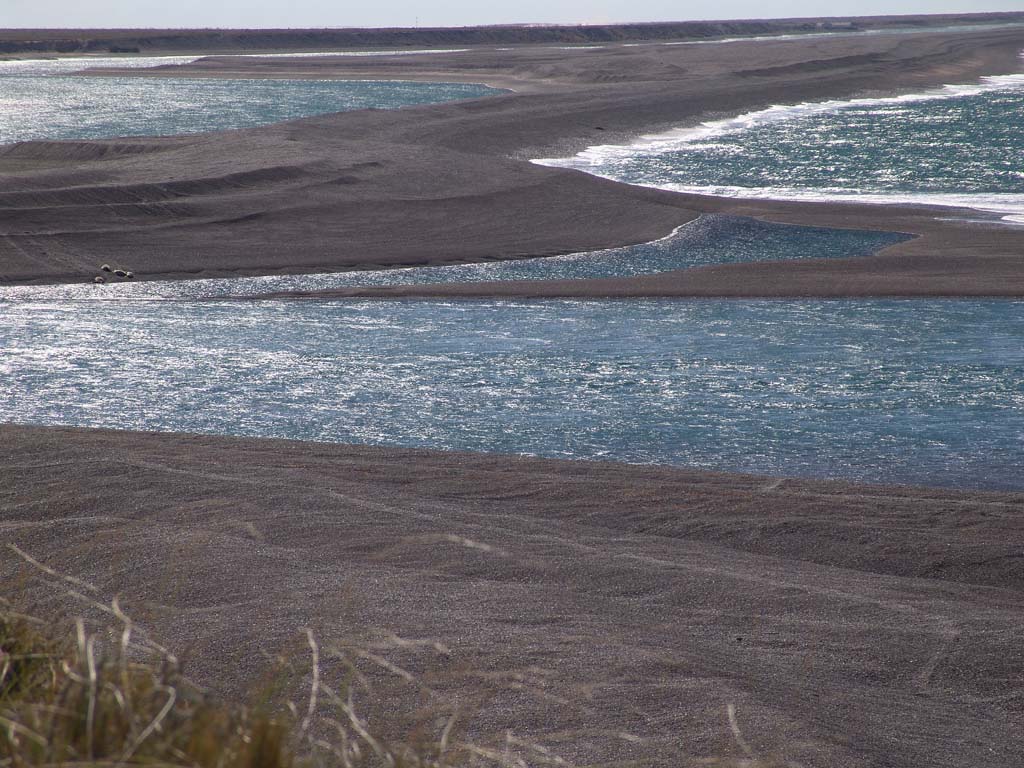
[42,100]
[958,145]
[888,391]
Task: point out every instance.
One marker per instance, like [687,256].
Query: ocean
[957,146]
[927,392]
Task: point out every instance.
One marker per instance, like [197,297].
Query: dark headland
[609,612]
[452,182]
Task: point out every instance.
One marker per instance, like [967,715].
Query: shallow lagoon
[711,239]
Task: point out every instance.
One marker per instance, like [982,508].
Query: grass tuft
[85,702]
[109,697]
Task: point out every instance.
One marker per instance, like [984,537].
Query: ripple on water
[43,100]
[888,391]
[957,146]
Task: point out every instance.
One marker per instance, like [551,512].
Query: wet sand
[451,183]
[850,625]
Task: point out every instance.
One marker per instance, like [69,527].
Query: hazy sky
[330,13]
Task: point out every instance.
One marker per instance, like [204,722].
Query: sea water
[954,146]
[709,239]
[912,391]
[46,100]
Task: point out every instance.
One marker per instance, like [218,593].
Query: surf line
[601,159]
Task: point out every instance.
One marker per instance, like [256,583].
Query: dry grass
[106,698]
[106,695]
[92,696]
[85,700]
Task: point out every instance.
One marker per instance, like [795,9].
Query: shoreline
[910,269]
[680,137]
[441,184]
[111,437]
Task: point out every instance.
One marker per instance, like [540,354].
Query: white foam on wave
[1009,206]
[601,160]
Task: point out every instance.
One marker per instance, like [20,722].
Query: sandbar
[452,183]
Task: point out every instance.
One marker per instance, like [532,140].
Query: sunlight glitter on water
[927,392]
[68,107]
[958,146]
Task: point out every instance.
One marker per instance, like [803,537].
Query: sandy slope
[850,625]
[610,612]
[449,183]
